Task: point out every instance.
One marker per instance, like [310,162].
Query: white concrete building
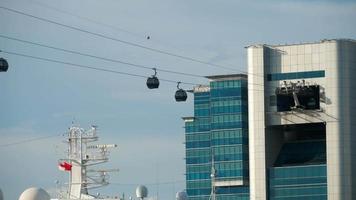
[302,120]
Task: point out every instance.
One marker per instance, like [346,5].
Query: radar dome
[35,194]
[1,196]
[141,191]
[181,195]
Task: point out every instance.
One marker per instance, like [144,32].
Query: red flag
[64,166]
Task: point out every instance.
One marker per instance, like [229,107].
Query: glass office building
[217,138]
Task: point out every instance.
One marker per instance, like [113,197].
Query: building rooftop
[200,88]
[302,43]
[188,119]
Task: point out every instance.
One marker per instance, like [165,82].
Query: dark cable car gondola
[153,82]
[181,95]
[3,65]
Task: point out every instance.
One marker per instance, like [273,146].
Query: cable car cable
[90,67]
[119,40]
[98,57]
[28,140]
[152,183]
[106,59]
[95,21]
[89,19]
[99,69]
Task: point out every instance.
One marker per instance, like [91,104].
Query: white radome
[141,191]
[35,194]
[182,195]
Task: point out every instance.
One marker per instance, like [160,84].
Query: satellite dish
[35,194]
[182,195]
[141,192]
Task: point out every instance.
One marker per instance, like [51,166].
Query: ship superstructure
[83,155]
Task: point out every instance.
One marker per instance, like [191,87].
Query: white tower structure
[81,157]
[302,119]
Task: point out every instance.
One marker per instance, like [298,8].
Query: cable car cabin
[181,95]
[3,65]
[304,97]
[152,82]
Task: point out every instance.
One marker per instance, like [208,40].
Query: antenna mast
[81,157]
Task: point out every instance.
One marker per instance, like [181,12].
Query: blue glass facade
[298,183]
[295,75]
[219,129]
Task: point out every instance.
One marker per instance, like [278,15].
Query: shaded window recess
[303,144]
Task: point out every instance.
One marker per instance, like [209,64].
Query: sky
[40,99]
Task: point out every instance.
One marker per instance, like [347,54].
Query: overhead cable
[106,59]
[89,19]
[28,140]
[119,40]
[155,183]
[90,67]
[101,58]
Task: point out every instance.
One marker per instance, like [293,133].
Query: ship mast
[82,155]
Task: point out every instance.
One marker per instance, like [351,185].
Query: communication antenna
[82,156]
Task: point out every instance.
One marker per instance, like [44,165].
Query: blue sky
[39,98]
